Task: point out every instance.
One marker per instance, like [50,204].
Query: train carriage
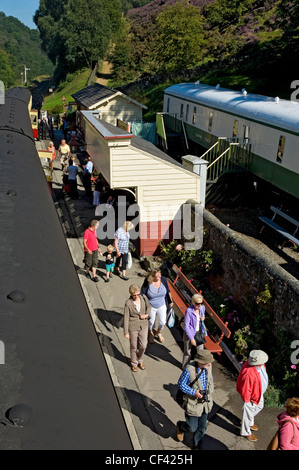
[269,125]
[55,387]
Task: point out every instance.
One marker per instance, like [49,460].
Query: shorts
[109,267]
[91,261]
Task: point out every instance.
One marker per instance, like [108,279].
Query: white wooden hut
[111,104]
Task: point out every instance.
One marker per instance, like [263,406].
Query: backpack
[274,443]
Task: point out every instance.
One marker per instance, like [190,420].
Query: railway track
[38,92]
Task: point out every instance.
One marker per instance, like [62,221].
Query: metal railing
[226,155]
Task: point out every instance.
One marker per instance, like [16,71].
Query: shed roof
[92,94]
[109,131]
[95,94]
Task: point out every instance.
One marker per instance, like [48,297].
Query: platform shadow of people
[113,351]
[159,352]
[150,413]
[229,422]
[208,442]
[111,317]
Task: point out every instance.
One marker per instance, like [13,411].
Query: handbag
[180,395]
[274,443]
[170,318]
[200,337]
[129,265]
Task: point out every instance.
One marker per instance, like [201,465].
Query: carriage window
[280,149]
[246,134]
[187,112]
[182,111]
[210,121]
[235,128]
[194,115]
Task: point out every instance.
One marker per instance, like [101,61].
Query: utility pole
[26,75]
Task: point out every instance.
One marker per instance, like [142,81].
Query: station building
[161,186]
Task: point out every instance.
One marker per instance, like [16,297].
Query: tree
[178,37]
[76,33]
[6,73]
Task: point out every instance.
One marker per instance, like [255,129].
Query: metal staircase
[227,155]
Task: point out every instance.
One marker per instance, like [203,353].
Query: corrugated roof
[270,110]
[93,94]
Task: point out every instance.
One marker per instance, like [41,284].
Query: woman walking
[156,289]
[194,323]
[136,313]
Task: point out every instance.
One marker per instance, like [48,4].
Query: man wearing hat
[197,383]
[252,383]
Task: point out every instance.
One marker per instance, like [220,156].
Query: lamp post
[26,69]
[63,102]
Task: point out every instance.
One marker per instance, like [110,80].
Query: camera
[205,397]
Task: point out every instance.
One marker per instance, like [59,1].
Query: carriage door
[246,134]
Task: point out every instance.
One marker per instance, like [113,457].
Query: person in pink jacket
[288,422]
[252,383]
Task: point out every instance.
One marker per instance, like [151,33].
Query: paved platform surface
[146,397]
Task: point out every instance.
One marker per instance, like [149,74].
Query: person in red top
[252,383]
[91,250]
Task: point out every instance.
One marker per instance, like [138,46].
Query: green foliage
[194,263]
[178,37]
[77,33]
[20,46]
[121,56]
[6,72]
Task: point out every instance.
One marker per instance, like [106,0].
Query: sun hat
[257,357]
[204,357]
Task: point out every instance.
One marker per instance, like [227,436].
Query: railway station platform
[146,397]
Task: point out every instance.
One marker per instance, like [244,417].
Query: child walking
[110,261]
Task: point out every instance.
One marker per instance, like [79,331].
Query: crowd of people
[145,313]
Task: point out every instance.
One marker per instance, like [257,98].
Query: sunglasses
[198,303]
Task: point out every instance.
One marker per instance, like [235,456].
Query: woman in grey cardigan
[136,313]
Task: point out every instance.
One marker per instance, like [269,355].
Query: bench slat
[279,229]
[208,308]
[185,280]
[285,216]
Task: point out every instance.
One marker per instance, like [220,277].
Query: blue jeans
[195,424]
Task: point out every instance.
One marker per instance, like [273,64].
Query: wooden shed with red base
[160,184]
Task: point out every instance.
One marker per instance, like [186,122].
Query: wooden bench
[183,300]
[282,231]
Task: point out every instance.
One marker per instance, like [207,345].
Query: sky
[21,9]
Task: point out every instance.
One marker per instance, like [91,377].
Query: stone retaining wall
[246,269]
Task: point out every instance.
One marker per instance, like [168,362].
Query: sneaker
[107,279]
[95,279]
[116,272]
[88,275]
[125,278]
[179,433]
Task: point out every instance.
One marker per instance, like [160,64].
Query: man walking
[91,250]
[252,383]
[197,383]
[87,172]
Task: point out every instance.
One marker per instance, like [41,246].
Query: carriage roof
[273,111]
